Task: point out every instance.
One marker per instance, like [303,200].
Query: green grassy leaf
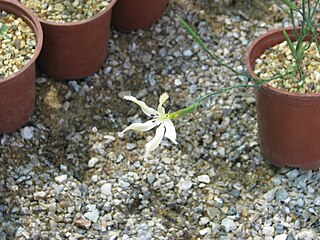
[290,5]
[290,44]
[193,34]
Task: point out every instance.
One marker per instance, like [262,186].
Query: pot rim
[14,7]
[266,86]
[77,23]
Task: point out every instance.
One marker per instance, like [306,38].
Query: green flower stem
[184,111]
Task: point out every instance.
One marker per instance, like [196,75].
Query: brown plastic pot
[17,91]
[288,123]
[130,15]
[75,50]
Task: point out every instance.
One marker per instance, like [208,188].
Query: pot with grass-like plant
[76,36]
[287,108]
[130,15]
[21,40]
[284,66]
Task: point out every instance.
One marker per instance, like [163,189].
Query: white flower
[159,118]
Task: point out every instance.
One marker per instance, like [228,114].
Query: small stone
[229,224]
[40,80]
[281,237]
[83,223]
[95,178]
[169,185]
[151,178]
[61,179]
[317,201]
[125,237]
[187,53]
[57,188]
[268,231]
[192,88]
[93,216]
[130,146]
[185,185]
[27,133]
[282,195]
[105,3]
[301,181]
[221,151]
[204,220]
[205,231]
[106,189]
[212,212]
[292,174]
[74,86]
[75,3]
[91,207]
[92,162]
[269,196]
[204,178]
[125,185]
[163,52]
[167,160]
[279,228]
[137,164]
[39,195]
[108,70]
[235,192]
[59,7]
[120,158]
[177,82]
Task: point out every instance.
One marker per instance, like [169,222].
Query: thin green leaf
[194,35]
[290,5]
[290,44]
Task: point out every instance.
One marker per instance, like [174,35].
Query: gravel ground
[69,175]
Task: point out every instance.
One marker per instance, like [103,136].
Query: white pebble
[187,53]
[177,82]
[39,195]
[92,162]
[228,224]
[268,231]
[281,237]
[204,178]
[27,133]
[204,220]
[106,189]
[92,216]
[205,231]
[61,179]
[185,185]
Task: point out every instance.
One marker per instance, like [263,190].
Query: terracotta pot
[130,15]
[288,123]
[17,91]
[75,50]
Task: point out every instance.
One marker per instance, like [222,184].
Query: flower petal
[170,131]
[162,99]
[147,110]
[155,142]
[142,126]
